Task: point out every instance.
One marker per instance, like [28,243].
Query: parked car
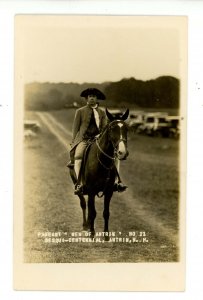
[31,125]
[136,118]
[174,126]
[155,124]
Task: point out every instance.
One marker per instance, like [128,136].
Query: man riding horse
[89,121]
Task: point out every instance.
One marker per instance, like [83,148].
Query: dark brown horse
[99,172]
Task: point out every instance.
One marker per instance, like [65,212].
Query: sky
[98,49]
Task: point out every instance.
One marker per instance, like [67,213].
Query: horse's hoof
[92,234]
[85,227]
[106,238]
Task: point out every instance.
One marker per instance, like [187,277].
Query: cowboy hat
[93,91]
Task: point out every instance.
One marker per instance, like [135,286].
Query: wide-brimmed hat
[93,91]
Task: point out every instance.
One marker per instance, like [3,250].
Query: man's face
[92,100]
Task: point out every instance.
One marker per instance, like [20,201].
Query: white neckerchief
[96,115]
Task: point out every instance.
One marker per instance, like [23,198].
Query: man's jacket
[81,123]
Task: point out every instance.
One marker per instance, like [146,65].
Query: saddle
[80,179]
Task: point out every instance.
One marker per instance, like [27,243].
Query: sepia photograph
[100,148]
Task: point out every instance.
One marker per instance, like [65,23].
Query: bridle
[100,149]
[121,139]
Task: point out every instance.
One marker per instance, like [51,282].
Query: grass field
[150,205]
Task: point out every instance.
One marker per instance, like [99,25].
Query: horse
[99,172]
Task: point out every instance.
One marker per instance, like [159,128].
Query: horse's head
[118,129]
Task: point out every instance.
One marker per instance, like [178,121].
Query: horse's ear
[125,115]
[109,115]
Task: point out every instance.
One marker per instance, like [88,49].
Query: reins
[107,168]
[100,149]
[104,153]
[101,194]
[112,158]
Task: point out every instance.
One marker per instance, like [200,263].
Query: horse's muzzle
[122,151]
[122,155]
[126,155]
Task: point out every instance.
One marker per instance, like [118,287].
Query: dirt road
[53,217]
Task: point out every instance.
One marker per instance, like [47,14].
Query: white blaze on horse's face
[121,151]
[121,148]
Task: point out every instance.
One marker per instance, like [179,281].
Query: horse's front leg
[91,214]
[83,206]
[106,215]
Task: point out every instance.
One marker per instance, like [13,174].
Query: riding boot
[119,186]
[78,186]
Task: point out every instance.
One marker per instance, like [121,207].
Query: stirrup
[78,189]
[120,187]
[70,165]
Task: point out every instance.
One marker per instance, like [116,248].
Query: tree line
[162,92]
